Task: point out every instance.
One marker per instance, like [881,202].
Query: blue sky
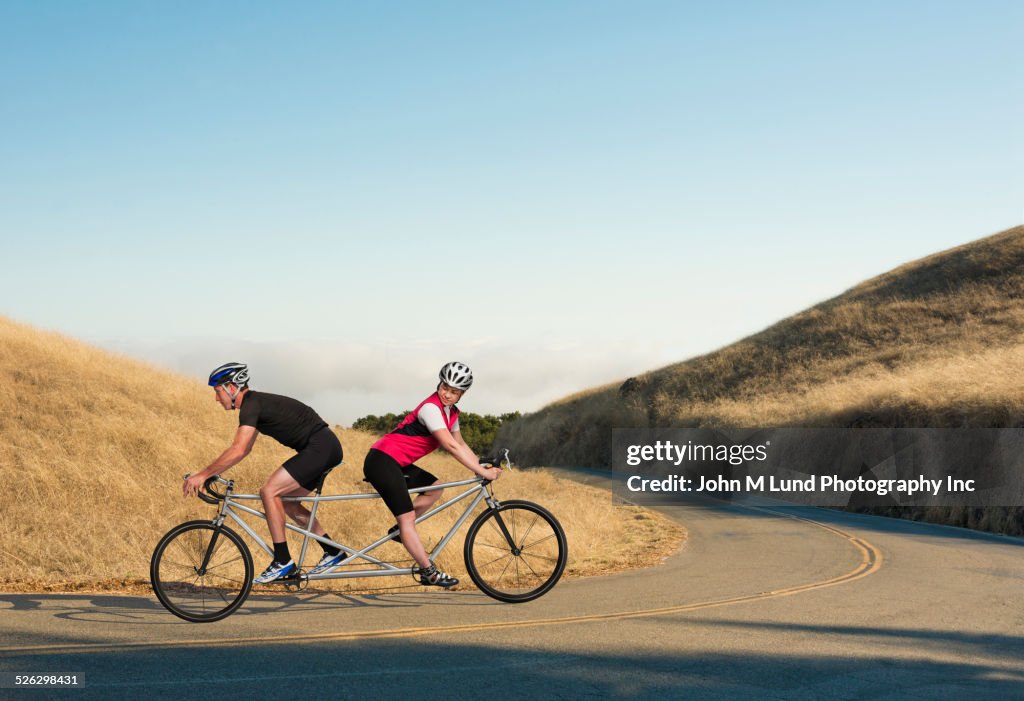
[346,195]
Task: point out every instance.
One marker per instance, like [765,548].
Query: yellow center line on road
[871,562]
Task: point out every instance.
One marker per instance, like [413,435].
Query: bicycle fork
[218,524]
[494,504]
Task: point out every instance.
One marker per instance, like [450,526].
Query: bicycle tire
[520,570]
[222,587]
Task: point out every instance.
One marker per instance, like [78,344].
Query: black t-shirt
[286,420]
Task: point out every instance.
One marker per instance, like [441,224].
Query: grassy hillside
[936,342]
[93,447]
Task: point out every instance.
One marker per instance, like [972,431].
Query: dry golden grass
[936,342]
[93,447]
[984,387]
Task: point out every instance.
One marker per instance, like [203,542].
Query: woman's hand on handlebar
[491,473]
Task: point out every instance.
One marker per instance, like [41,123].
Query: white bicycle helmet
[456,375]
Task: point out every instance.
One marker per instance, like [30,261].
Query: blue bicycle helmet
[235,373]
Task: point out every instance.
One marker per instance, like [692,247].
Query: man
[292,424]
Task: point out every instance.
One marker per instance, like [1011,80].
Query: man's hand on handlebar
[193,483]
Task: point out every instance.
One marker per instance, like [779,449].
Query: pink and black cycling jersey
[411,440]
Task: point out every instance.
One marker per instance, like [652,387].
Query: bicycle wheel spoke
[533,571]
[224,577]
[534,543]
[178,564]
[500,557]
[534,523]
[199,549]
[503,546]
[220,593]
[190,554]
[237,558]
[504,569]
[538,556]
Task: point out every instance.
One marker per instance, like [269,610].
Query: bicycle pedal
[294,583]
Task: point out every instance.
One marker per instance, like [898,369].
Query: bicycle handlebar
[208,486]
[213,496]
[498,459]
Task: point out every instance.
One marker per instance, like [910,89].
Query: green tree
[478,430]
[378,424]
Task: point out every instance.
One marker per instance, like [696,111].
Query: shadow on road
[434,667]
[139,610]
[991,645]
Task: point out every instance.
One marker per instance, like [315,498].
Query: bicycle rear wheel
[516,552]
[193,592]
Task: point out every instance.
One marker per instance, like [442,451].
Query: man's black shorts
[322,452]
[393,482]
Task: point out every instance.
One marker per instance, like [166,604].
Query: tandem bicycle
[202,571]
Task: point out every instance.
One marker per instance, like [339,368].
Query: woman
[390,467]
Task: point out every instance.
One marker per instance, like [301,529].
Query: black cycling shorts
[322,452]
[393,482]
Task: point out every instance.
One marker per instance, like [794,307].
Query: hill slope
[935,342]
[93,447]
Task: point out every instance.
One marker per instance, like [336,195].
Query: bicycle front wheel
[516,552]
[190,590]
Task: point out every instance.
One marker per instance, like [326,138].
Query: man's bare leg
[279,484]
[298,513]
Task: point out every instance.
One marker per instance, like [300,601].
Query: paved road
[770,603]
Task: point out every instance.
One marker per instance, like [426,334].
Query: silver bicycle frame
[231,504]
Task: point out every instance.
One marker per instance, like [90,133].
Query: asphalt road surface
[760,603]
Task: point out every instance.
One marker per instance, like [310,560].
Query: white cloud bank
[344,381]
